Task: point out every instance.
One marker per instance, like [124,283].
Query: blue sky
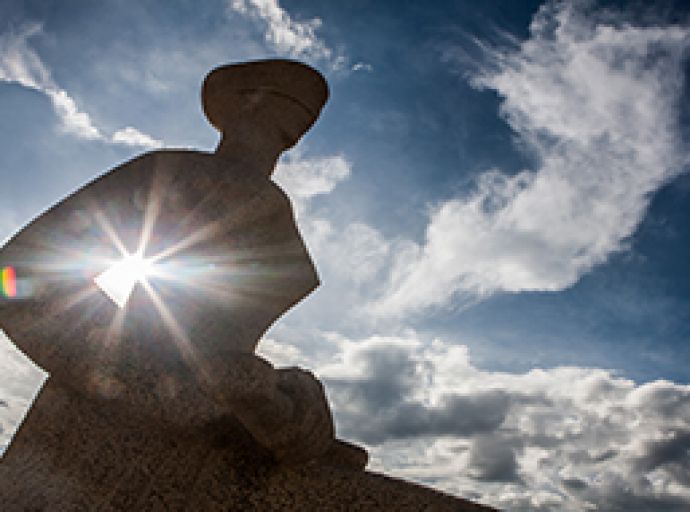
[495,197]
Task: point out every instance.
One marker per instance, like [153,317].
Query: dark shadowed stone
[83,458]
[163,405]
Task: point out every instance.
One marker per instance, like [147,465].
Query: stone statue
[156,400]
[228,236]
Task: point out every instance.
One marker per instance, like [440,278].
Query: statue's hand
[285,410]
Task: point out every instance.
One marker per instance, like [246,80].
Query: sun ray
[78,297]
[114,331]
[109,231]
[222,224]
[196,237]
[152,212]
[179,336]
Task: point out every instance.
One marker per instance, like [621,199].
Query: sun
[118,281]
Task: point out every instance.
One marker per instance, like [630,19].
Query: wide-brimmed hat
[294,80]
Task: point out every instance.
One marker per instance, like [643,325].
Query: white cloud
[297,39]
[596,102]
[20,64]
[73,121]
[132,137]
[362,66]
[305,178]
[350,257]
[559,439]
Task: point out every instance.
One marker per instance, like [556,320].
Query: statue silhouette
[230,259]
[161,404]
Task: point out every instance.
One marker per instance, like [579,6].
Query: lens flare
[9,282]
[118,281]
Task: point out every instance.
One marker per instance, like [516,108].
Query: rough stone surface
[77,455]
[163,405]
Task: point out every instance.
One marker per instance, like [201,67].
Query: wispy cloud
[351,256]
[596,102]
[20,64]
[130,136]
[297,39]
[73,121]
[362,66]
[520,441]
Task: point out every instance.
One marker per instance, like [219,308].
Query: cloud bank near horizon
[520,441]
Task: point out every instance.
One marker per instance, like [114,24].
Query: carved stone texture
[162,404]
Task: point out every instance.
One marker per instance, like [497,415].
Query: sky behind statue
[495,198]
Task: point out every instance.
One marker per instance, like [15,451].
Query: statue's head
[278,99]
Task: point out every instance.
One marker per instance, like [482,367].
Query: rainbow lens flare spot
[9,282]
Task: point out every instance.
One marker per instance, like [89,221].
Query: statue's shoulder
[193,174]
[159,161]
[131,178]
[175,157]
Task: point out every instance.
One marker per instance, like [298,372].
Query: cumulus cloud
[20,64]
[288,36]
[596,102]
[559,439]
